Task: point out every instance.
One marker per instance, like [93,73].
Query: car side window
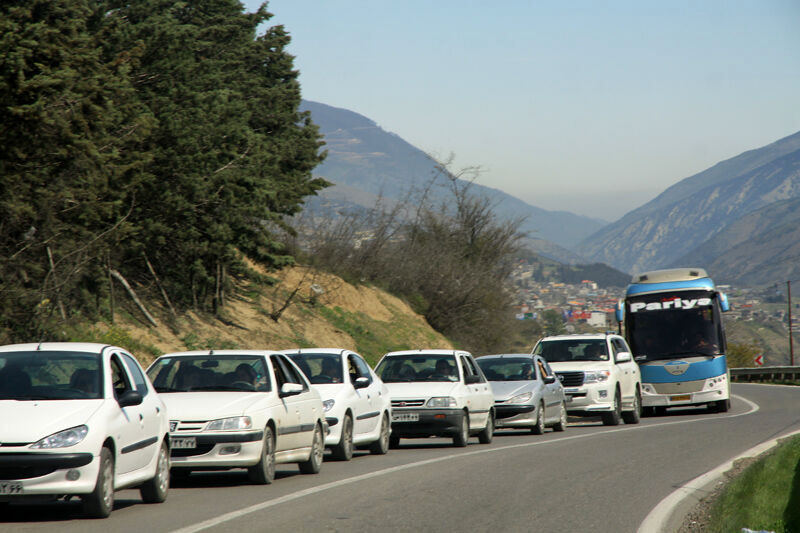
[136,373]
[359,367]
[290,373]
[280,377]
[119,379]
[543,370]
[469,367]
[619,346]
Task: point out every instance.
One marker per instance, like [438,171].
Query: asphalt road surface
[589,478]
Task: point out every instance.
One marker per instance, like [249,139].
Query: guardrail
[766,373]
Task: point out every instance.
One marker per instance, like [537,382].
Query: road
[589,478]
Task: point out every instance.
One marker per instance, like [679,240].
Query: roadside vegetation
[765,496]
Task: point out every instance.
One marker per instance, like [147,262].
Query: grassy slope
[332,314]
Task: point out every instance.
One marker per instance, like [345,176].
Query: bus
[673,324]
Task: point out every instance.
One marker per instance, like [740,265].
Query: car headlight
[521,398]
[327,405]
[596,376]
[233,423]
[441,401]
[62,439]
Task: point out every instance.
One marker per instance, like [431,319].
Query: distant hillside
[760,248]
[366,163]
[697,208]
[547,269]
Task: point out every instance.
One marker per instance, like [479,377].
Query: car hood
[503,390]
[209,405]
[582,366]
[29,421]
[427,389]
[329,390]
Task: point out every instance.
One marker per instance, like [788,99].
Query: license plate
[405,417]
[11,487]
[183,443]
[681,398]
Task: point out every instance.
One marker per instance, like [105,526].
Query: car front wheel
[462,436]
[100,502]
[614,417]
[263,473]
[538,429]
[344,450]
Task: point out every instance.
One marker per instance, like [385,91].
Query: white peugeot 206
[79,419]
[244,409]
[357,404]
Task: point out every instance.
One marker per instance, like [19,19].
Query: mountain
[368,164]
[697,208]
[760,248]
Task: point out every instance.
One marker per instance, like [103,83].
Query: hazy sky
[587,106]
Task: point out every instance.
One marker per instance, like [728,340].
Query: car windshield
[319,368]
[209,373]
[418,367]
[562,350]
[50,376]
[507,368]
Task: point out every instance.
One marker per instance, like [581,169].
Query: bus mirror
[723,302]
[619,310]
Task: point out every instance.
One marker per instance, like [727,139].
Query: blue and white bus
[673,324]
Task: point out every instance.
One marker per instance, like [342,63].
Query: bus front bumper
[653,399]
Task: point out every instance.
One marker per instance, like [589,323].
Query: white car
[598,374]
[239,409]
[79,419]
[437,393]
[356,402]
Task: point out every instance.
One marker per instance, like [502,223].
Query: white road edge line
[657,520]
[212,522]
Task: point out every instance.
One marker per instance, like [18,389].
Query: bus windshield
[674,325]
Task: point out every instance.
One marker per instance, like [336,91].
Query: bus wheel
[721,406]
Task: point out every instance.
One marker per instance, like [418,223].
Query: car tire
[344,450]
[538,429]
[613,418]
[561,425]
[381,446]
[462,437]
[487,433]
[394,442]
[263,473]
[100,502]
[314,463]
[155,490]
[633,416]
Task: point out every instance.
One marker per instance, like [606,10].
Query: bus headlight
[716,382]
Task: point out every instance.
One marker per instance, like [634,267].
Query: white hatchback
[239,409]
[438,393]
[357,405]
[79,419]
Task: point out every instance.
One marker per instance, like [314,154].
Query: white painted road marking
[233,515]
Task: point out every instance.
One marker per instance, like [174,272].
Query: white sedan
[239,409]
[79,419]
[357,404]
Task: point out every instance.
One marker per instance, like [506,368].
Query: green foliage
[115,336]
[134,132]
[741,355]
[193,342]
[764,496]
[553,323]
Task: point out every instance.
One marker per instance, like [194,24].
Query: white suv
[598,374]
[437,393]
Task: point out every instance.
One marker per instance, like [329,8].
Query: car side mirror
[361,383]
[130,398]
[549,380]
[623,357]
[290,389]
[472,379]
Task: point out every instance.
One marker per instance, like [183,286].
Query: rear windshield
[209,373]
[50,376]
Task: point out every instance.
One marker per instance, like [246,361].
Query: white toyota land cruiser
[598,374]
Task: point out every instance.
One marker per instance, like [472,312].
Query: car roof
[428,352]
[220,352]
[88,347]
[332,351]
[502,355]
[579,336]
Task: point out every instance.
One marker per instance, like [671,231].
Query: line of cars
[85,420]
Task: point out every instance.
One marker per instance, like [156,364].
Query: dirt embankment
[323,310]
